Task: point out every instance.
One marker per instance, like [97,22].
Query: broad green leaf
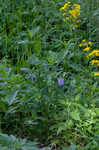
[75,115]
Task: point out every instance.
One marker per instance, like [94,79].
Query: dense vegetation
[49,88]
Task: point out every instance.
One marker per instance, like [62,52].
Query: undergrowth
[48,91]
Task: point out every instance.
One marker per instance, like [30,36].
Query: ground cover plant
[49,74]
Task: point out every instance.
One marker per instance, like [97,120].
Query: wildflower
[94,62]
[62,8]
[67,18]
[83,40]
[60,81]
[65,6]
[90,43]
[96,73]
[80,45]
[97,54]
[77,6]
[93,52]
[78,21]
[90,54]
[87,49]
[75,12]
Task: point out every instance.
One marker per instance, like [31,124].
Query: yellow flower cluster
[95,62]
[87,47]
[75,11]
[71,13]
[94,52]
[65,6]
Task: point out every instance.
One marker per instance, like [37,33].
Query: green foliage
[36,48]
[11,142]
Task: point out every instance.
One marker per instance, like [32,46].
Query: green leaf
[33,32]
[2,106]
[12,97]
[75,115]
[60,129]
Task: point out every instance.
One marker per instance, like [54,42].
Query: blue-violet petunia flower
[60,81]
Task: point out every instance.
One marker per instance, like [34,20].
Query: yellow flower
[67,18]
[73,13]
[90,43]
[87,49]
[62,8]
[94,62]
[78,21]
[97,54]
[65,6]
[93,52]
[83,40]
[90,54]
[77,6]
[96,73]
[80,45]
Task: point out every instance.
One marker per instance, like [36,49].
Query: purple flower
[60,81]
